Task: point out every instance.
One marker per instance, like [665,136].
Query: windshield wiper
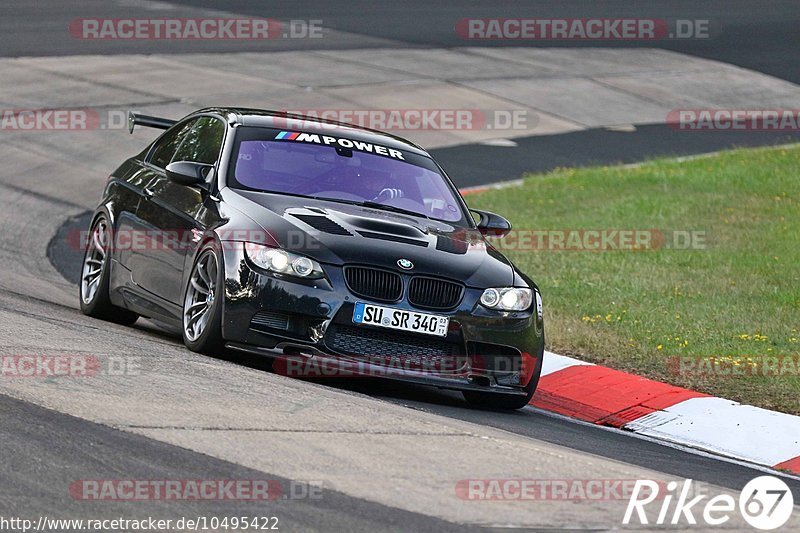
[387,207]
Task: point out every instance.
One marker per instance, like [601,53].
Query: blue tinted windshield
[337,168]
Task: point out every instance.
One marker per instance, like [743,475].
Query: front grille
[433,293]
[373,283]
[380,346]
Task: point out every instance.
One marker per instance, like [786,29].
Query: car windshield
[336,168]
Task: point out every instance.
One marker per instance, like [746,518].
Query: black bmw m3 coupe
[311,241]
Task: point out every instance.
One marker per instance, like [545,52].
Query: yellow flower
[659,347]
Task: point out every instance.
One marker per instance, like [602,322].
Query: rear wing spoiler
[150,122]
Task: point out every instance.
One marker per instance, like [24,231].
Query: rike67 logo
[765,503]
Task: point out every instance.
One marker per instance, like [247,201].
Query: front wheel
[95,274]
[202,304]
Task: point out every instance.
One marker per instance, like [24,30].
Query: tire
[500,401]
[95,274]
[202,314]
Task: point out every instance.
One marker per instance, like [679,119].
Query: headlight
[507,299]
[282,262]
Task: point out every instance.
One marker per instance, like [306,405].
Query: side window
[203,143]
[166,145]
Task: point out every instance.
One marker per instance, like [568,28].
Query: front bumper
[307,324]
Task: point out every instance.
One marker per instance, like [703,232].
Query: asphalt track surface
[48,462]
[51,449]
[478,164]
[761,36]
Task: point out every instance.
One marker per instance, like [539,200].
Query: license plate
[388,317]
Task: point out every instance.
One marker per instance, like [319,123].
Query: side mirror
[188,172]
[491,224]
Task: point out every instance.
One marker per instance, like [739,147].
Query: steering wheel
[409,204]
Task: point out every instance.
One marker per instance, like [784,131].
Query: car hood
[337,233]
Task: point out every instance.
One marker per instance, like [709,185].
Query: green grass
[637,310]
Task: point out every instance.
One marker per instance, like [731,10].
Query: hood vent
[384,226]
[451,245]
[322,223]
[394,238]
